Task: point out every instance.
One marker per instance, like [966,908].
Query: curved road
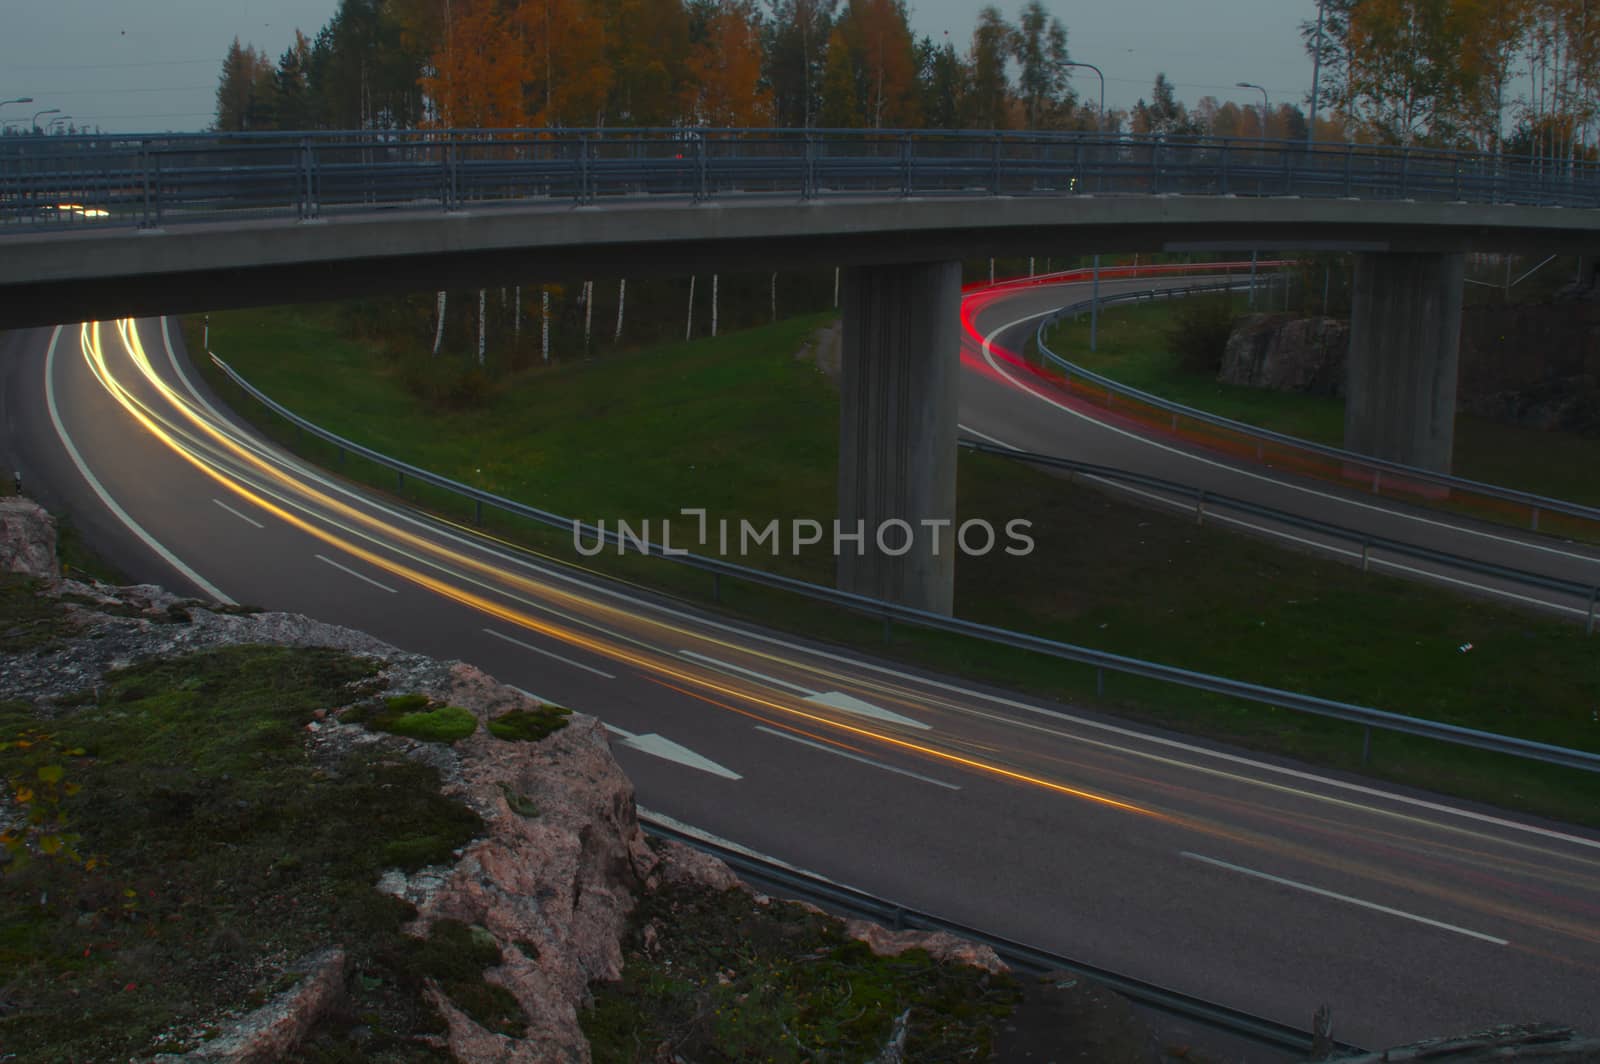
[1005,403]
[1254,883]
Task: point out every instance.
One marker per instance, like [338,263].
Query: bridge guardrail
[1102,661]
[151,180]
[1348,468]
[824,893]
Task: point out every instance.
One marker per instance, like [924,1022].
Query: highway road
[1251,882]
[1004,402]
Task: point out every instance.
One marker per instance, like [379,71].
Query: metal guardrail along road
[1307,457]
[1368,718]
[788,882]
[164,180]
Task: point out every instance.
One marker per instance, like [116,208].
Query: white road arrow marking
[831,699]
[835,700]
[659,746]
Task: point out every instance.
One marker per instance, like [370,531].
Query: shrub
[1200,331]
[529,726]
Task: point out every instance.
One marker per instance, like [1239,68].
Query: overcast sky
[136,65]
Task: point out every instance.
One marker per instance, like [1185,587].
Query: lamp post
[53,121]
[1094,299]
[19,99]
[1264,106]
[48,111]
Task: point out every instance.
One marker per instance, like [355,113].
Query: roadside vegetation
[199,853]
[729,978]
[743,427]
[1140,346]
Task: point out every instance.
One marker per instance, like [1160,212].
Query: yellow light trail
[647,663]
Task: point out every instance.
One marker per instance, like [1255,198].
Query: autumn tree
[478,68]
[724,70]
[569,80]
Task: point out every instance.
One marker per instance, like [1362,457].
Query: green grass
[1133,349]
[221,853]
[754,433]
[729,979]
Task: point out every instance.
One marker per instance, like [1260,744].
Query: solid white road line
[352,572]
[825,748]
[105,496]
[240,516]
[549,654]
[659,746]
[751,673]
[848,704]
[1374,906]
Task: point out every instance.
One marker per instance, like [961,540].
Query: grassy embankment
[186,852]
[740,426]
[1133,348]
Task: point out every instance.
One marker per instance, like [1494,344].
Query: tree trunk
[544,321]
[481,301]
[688,328]
[438,330]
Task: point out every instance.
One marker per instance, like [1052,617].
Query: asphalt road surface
[1254,883]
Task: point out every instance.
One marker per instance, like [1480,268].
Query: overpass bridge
[95,227]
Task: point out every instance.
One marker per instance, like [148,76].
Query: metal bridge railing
[175,178]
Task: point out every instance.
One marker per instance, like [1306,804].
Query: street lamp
[49,111]
[1094,299]
[53,121]
[1264,106]
[19,99]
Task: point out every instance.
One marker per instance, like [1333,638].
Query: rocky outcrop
[940,945]
[1287,354]
[553,883]
[27,539]
[1533,365]
[1544,1042]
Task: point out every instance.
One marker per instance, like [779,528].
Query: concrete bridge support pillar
[899,365]
[1405,338]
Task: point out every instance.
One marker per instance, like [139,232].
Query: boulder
[28,539]
[1287,354]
